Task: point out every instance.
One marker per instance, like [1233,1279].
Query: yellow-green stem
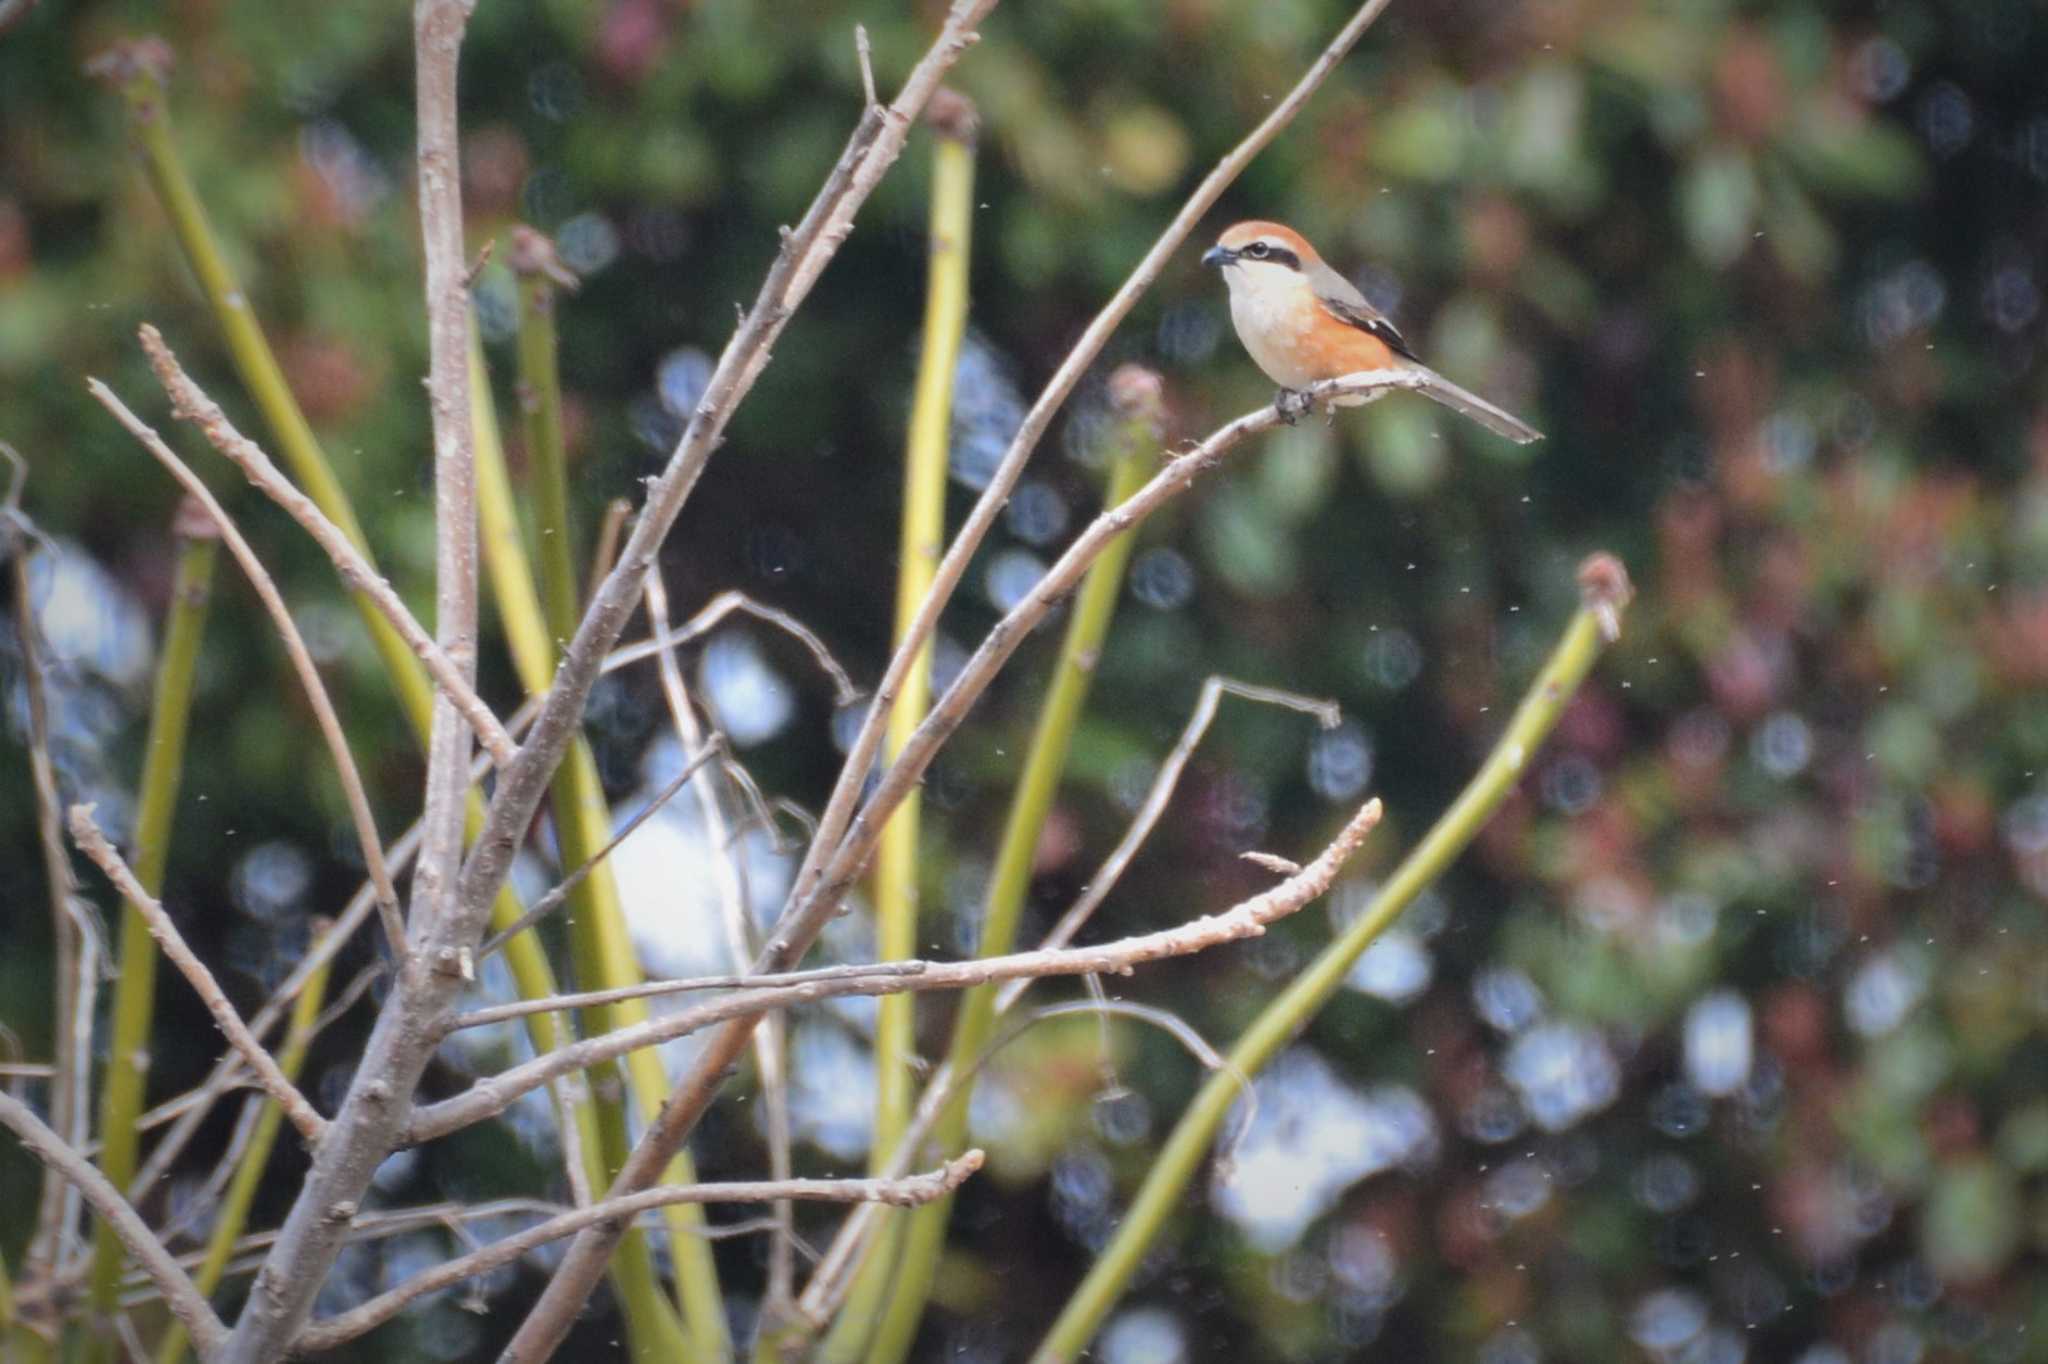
[142,89]
[1010,879]
[540,407]
[598,942]
[260,373]
[921,542]
[1174,1168]
[241,1192]
[19,1344]
[163,766]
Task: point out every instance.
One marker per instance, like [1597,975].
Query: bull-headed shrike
[1303,323]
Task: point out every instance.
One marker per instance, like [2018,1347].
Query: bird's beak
[1219,256]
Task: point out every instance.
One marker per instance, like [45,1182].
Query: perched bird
[1303,322]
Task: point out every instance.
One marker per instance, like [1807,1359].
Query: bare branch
[189,402]
[876,143]
[446,924]
[903,1193]
[186,1302]
[1249,918]
[294,646]
[94,845]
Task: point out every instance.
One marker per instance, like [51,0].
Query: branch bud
[1606,591]
[953,115]
[1138,393]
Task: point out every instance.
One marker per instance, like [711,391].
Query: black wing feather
[1372,324]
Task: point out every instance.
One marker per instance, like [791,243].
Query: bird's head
[1255,250]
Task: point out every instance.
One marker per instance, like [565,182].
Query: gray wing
[1346,304]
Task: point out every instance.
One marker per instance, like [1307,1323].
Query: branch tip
[1138,392]
[1605,589]
[134,60]
[533,252]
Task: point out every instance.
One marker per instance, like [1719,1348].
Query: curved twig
[94,845]
[903,1193]
[186,1302]
[295,647]
[189,402]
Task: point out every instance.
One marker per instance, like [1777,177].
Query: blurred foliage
[1733,1029]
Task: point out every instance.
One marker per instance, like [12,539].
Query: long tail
[1477,408]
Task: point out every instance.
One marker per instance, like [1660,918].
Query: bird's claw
[1292,404]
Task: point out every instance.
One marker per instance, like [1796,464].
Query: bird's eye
[1258,250]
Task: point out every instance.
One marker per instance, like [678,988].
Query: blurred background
[1729,1040]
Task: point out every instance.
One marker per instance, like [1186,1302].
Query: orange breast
[1332,348]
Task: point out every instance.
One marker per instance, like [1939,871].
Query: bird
[1303,322]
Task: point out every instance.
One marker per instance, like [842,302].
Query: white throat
[1272,308]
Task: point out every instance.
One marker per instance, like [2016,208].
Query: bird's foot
[1292,404]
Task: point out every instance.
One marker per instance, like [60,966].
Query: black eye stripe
[1271,254]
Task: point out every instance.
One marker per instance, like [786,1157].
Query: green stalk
[922,539]
[540,408]
[601,948]
[163,765]
[19,1344]
[1175,1166]
[1135,454]
[241,1193]
[138,70]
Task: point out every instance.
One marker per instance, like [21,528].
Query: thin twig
[663,641]
[189,402]
[186,1302]
[295,648]
[1154,805]
[94,845]
[904,1193]
[57,1207]
[1249,918]
[834,1276]
[733,916]
[563,889]
[1168,1022]
[374,1226]
[520,1008]
[867,63]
